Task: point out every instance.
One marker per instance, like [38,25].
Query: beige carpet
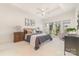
[51,48]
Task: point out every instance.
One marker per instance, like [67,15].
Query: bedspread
[36,40]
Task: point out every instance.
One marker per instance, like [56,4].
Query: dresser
[72,44]
[18,36]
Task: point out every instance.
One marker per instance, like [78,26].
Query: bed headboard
[27,30]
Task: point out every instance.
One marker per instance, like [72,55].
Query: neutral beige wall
[9,18]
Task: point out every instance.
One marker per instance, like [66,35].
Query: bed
[36,39]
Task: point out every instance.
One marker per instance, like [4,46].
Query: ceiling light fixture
[42,11]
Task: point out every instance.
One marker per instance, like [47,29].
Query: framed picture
[29,22]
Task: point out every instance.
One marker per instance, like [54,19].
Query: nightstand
[18,36]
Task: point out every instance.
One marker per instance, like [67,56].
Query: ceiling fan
[42,11]
[45,11]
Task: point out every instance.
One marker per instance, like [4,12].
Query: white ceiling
[50,9]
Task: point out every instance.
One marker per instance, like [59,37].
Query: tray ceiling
[46,9]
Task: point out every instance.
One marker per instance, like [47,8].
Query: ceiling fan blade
[52,10]
[42,9]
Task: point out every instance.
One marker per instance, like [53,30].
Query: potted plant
[71,30]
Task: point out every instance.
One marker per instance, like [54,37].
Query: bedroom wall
[10,16]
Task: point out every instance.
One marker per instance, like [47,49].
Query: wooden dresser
[18,36]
